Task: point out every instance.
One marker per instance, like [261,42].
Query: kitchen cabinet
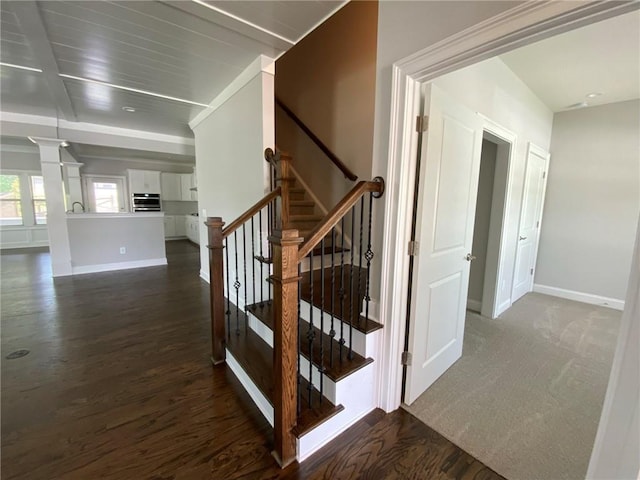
[143,181]
[186,183]
[169,226]
[181,225]
[193,228]
[171,188]
[177,187]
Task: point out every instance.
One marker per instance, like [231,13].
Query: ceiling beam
[32,26]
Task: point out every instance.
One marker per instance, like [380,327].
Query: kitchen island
[101,242]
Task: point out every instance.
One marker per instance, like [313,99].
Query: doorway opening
[485,277]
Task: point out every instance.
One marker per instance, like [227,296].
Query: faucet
[73,207]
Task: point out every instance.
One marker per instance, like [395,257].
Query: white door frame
[494,306]
[516,27]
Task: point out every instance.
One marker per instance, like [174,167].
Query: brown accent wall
[328,80]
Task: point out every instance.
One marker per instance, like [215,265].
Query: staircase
[290,310]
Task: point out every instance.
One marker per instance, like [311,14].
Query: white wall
[493,90]
[405,27]
[593,200]
[230,162]
[96,239]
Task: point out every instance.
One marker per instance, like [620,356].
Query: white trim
[30,119]
[242,20]
[44,121]
[513,28]
[158,163]
[510,138]
[261,64]
[256,395]
[131,89]
[583,297]
[124,132]
[108,267]
[205,276]
[21,67]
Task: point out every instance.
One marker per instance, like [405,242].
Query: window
[106,197]
[38,200]
[10,200]
[105,194]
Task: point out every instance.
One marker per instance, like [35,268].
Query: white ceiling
[600,58]
[191,50]
[188,50]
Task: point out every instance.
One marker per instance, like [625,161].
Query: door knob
[522,238]
[470,257]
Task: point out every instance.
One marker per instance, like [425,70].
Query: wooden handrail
[332,156]
[332,218]
[238,222]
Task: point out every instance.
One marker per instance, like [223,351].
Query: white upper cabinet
[186,182]
[144,181]
[171,188]
[177,187]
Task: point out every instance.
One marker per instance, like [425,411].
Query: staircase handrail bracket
[331,219]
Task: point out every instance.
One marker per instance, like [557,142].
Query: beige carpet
[526,396]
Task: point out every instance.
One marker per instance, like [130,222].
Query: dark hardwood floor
[118,385]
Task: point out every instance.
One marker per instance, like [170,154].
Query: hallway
[118,385]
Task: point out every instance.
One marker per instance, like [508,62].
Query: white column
[56,214]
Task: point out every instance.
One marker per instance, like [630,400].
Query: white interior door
[535,184]
[450,165]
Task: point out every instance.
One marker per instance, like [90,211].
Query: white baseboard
[108,267]
[589,298]
[474,305]
[256,395]
[205,276]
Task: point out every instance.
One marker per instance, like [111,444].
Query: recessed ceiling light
[593,95]
[129,109]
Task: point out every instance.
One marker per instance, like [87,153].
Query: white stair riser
[356,395]
[363,344]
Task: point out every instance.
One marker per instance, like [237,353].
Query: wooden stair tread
[302,203]
[305,218]
[359,322]
[256,358]
[335,370]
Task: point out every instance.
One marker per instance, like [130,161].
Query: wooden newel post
[285,342]
[286,182]
[216,285]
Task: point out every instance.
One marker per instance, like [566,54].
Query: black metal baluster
[269,264]
[332,332]
[253,260]
[342,291]
[353,223]
[228,312]
[321,367]
[244,268]
[368,256]
[236,284]
[360,259]
[310,332]
[299,377]
[261,260]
